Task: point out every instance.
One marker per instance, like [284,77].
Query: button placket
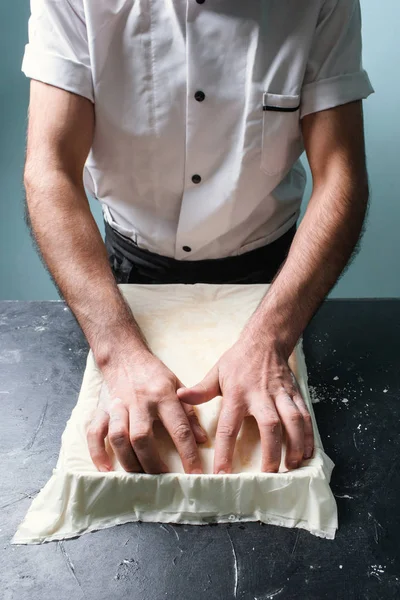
[199,96]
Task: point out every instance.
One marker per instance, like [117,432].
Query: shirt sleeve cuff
[58,71]
[328,93]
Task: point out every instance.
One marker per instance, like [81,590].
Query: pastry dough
[188,327]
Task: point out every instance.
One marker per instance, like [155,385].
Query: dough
[188,327]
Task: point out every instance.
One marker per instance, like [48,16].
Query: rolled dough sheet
[188,327]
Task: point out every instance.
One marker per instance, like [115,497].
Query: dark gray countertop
[352,351]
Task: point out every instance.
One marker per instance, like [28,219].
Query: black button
[196,178]
[186,248]
[200,1]
[199,96]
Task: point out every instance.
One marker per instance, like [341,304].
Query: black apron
[131,264]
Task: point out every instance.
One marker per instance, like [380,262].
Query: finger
[118,435]
[308,426]
[177,424]
[293,424]
[199,433]
[269,425]
[143,442]
[95,436]
[204,391]
[229,423]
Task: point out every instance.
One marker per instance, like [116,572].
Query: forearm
[75,254]
[320,250]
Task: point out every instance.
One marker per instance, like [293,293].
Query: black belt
[131,264]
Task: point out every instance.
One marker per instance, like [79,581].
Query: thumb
[203,391]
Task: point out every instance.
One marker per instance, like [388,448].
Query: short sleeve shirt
[198,107]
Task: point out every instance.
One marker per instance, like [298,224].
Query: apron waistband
[132,264]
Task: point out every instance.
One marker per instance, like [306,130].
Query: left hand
[253,377]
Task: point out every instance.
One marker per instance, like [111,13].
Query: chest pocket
[282,141]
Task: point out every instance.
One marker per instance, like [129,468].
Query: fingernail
[308,453]
[104,468]
[293,465]
[197,472]
[221,472]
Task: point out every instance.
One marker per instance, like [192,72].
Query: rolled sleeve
[335,73]
[57,52]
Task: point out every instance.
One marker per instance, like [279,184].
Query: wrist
[269,340]
[273,332]
[111,351]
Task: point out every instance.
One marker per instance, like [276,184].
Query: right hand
[141,389]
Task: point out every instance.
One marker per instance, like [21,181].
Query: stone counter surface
[352,349]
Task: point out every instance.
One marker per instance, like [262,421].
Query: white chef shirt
[198,106]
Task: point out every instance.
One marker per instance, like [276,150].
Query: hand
[254,378]
[141,390]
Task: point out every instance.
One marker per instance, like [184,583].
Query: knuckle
[140,389]
[272,423]
[118,437]
[267,417]
[279,389]
[307,418]
[182,432]
[191,414]
[93,431]
[296,417]
[140,436]
[90,431]
[191,457]
[227,430]
[155,389]
[293,391]
[115,403]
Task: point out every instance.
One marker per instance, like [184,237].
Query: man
[187,119]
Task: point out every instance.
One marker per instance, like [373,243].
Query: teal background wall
[374,273]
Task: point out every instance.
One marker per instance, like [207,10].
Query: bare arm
[141,388]
[60,134]
[263,385]
[326,238]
